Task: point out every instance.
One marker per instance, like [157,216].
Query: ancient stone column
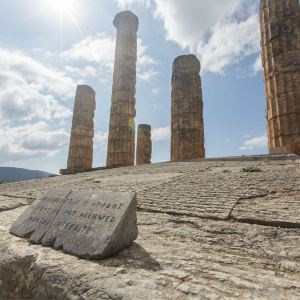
[144,145]
[187,129]
[121,139]
[280,42]
[81,142]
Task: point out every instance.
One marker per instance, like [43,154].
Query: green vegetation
[251,170]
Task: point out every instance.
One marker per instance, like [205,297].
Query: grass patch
[251,170]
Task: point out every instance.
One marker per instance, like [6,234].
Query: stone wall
[280,42]
[187,129]
[121,140]
[82,133]
[144,145]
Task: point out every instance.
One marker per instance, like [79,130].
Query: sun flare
[65,6]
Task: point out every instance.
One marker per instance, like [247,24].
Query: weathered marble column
[144,145]
[121,139]
[187,129]
[81,142]
[280,42]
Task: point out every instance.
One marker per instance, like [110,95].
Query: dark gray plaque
[89,225]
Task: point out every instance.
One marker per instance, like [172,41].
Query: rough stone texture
[11,202]
[280,42]
[81,141]
[207,230]
[80,170]
[187,129]
[144,145]
[121,138]
[88,225]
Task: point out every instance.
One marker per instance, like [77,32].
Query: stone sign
[88,225]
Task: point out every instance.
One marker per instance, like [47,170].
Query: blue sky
[47,47]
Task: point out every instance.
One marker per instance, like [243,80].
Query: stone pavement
[207,230]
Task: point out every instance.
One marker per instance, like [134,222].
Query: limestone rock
[280,42]
[187,129]
[81,141]
[121,139]
[144,145]
[88,225]
[206,231]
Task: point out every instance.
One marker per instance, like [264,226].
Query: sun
[65,8]
[62,6]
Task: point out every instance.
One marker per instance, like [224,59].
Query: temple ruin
[121,139]
[280,35]
[187,129]
[144,145]
[81,141]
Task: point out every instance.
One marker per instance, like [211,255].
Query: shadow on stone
[133,256]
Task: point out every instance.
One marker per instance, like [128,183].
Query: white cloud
[100,49]
[229,43]
[32,93]
[220,32]
[29,89]
[186,23]
[30,141]
[83,73]
[161,133]
[21,102]
[147,75]
[143,58]
[145,62]
[42,77]
[257,66]
[254,143]
[100,140]
[155,91]
[126,3]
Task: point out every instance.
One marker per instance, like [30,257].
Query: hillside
[9,174]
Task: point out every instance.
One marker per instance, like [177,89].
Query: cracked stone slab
[88,225]
[95,182]
[174,257]
[271,197]
[178,254]
[10,202]
[209,193]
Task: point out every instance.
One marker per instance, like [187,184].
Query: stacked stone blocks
[187,129]
[121,140]
[144,145]
[82,133]
[280,42]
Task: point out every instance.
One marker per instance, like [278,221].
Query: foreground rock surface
[207,230]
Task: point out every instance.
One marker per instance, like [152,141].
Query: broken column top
[85,87]
[83,91]
[187,63]
[145,126]
[126,19]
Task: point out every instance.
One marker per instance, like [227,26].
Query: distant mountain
[9,174]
